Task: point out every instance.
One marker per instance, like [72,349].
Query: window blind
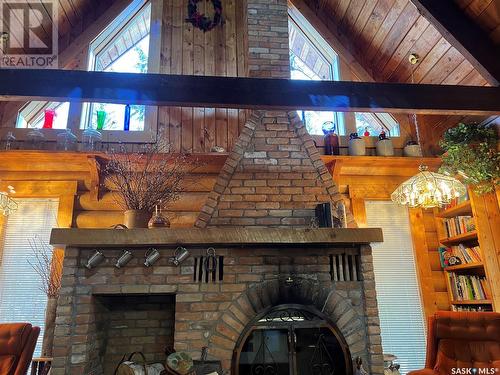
[21,299]
[398,292]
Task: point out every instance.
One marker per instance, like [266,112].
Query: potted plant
[471,151]
[146,179]
[47,262]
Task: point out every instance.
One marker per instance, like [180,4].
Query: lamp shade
[428,189]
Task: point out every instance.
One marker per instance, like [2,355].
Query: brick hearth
[210,313]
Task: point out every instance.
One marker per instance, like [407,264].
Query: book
[459,225]
[468,287]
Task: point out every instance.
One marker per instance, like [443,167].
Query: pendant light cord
[415,119]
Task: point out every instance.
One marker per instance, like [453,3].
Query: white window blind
[21,299]
[398,291]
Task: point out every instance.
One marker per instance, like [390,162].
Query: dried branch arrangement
[149,178]
[47,265]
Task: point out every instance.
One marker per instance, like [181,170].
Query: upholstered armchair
[17,343]
[462,340]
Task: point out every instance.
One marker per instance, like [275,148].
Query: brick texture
[274,177]
[268,51]
[138,310]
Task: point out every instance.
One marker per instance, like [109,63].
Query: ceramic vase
[357,146]
[136,219]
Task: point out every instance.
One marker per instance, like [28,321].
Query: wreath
[201,21]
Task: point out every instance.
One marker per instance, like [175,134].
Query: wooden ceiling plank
[422,47]
[399,30]
[362,19]
[352,15]
[465,35]
[459,73]
[245,93]
[404,49]
[473,79]
[373,25]
[444,67]
[429,61]
[384,30]
[477,7]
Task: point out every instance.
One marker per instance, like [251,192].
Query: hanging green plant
[201,21]
[471,152]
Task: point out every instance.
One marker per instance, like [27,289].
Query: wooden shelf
[464,237]
[468,266]
[473,302]
[461,209]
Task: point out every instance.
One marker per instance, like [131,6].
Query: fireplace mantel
[220,236]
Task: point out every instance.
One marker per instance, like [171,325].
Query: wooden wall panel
[219,52]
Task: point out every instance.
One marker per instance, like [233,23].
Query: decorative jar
[66,141]
[35,140]
[384,145]
[91,140]
[412,149]
[357,146]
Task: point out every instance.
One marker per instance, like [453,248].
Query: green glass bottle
[101,118]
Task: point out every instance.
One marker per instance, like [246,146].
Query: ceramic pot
[384,147]
[357,146]
[136,219]
[412,151]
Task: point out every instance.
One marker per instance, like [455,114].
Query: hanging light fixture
[7,204]
[427,189]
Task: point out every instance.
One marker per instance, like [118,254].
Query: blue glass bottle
[126,123]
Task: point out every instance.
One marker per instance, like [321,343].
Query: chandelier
[427,189]
[7,204]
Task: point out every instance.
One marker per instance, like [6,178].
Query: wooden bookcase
[471,238]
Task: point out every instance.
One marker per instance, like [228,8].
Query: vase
[384,146]
[50,324]
[48,120]
[412,150]
[136,218]
[331,138]
[357,145]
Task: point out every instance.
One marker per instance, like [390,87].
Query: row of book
[468,287]
[456,201]
[458,225]
[465,254]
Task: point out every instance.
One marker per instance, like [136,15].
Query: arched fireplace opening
[291,339]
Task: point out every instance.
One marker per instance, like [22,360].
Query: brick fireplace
[106,312]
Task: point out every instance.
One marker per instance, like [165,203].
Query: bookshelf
[467,283]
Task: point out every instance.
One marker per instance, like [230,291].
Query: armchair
[462,340]
[17,344]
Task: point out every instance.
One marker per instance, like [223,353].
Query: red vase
[49,118]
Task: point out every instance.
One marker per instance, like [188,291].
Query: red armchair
[17,344]
[462,340]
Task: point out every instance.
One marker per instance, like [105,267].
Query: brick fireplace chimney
[273,177]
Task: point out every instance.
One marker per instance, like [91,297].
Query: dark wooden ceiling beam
[251,93]
[463,34]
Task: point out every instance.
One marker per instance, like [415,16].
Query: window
[312,58]
[123,47]
[20,294]
[374,123]
[314,61]
[32,115]
[398,292]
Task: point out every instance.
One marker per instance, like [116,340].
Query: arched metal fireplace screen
[291,340]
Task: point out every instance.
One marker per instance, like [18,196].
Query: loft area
[249,187]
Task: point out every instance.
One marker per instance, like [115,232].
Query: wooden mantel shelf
[213,236]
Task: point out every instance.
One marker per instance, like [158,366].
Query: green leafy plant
[471,152]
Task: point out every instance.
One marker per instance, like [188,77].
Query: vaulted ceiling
[382,33]
[486,13]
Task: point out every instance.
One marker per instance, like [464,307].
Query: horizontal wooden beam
[220,236]
[463,34]
[249,93]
